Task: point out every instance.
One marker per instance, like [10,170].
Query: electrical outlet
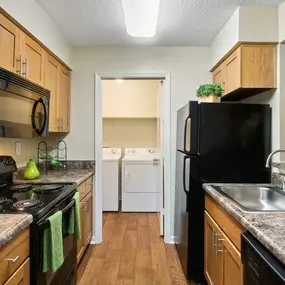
[18,148]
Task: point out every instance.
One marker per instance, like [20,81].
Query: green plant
[210,89]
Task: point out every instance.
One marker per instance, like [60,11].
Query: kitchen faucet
[270,157]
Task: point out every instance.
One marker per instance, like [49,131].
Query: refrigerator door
[235,140]
[189,208]
[187,128]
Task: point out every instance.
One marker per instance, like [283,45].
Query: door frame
[97,201]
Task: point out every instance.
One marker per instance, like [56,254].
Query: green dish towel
[74,219]
[53,248]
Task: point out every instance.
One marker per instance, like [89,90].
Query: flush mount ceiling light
[141,17]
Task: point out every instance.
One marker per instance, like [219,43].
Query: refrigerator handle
[185,133]
[184,174]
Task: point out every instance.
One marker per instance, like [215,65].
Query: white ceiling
[181,22]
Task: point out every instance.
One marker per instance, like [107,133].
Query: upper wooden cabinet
[33,60]
[249,70]
[51,83]
[9,45]
[63,99]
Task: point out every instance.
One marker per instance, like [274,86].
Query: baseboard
[170,240]
[94,240]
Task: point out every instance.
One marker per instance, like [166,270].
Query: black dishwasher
[260,267]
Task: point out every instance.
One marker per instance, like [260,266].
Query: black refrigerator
[216,143]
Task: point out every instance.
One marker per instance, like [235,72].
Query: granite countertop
[268,228]
[11,225]
[62,176]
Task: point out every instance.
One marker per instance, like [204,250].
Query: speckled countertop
[63,176]
[11,225]
[268,228]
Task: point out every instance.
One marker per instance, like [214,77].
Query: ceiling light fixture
[119,81]
[141,17]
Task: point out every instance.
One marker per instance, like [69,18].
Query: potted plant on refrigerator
[210,92]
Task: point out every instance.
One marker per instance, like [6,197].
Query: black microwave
[24,107]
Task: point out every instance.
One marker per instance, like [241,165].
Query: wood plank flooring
[132,253]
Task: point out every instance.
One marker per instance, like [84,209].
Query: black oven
[67,273]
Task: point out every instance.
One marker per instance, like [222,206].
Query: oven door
[67,273]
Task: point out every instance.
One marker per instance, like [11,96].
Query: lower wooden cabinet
[223,264]
[21,276]
[86,215]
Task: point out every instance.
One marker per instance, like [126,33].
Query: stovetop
[35,199]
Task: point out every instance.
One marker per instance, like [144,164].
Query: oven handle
[64,210]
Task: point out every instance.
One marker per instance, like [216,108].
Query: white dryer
[111,179]
[140,177]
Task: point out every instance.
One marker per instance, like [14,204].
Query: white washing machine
[140,177]
[111,179]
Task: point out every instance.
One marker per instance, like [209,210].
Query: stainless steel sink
[261,198]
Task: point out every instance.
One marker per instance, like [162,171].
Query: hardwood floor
[132,253]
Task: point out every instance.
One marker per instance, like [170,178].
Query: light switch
[18,148]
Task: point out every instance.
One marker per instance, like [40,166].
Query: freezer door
[187,128]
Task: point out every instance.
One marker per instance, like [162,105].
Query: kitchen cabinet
[88,219]
[33,60]
[24,55]
[9,45]
[51,83]
[86,215]
[213,258]
[14,260]
[249,70]
[21,276]
[223,265]
[63,99]
[80,243]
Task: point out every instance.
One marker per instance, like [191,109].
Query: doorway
[164,138]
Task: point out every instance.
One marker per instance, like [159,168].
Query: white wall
[226,39]
[129,133]
[247,24]
[130,98]
[30,15]
[282,22]
[188,67]
[258,24]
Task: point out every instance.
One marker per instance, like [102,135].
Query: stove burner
[45,189]
[26,204]
[4,200]
[21,187]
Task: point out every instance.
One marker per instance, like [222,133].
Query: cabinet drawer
[82,190]
[89,184]
[226,222]
[13,254]
[21,276]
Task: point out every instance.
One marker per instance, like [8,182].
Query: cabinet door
[219,75]
[9,45]
[21,276]
[34,59]
[88,219]
[232,264]
[63,99]
[213,261]
[80,243]
[209,250]
[51,83]
[233,71]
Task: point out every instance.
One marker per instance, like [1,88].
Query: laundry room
[132,130]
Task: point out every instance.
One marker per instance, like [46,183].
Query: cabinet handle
[217,245]
[26,69]
[214,239]
[62,124]
[13,260]
[85,207]
[21,63]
